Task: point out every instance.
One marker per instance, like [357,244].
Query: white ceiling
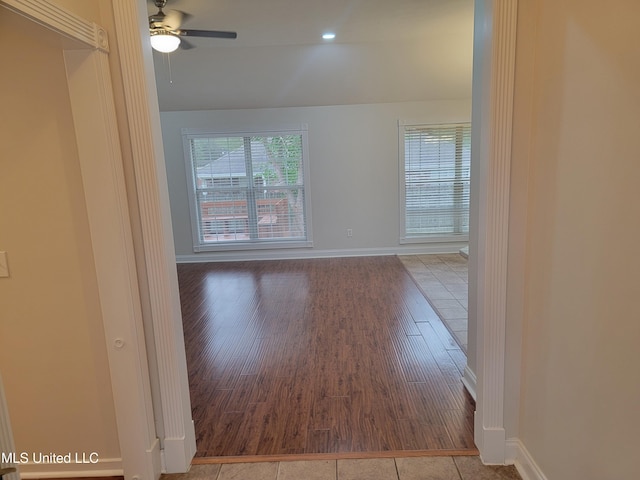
[385,51]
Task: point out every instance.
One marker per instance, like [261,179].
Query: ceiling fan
[166,34]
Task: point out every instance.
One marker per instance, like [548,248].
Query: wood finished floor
[319,356]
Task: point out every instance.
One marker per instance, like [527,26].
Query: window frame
[249,244]
[404,238]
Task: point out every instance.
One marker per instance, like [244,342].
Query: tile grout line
[457,468]
[395,463]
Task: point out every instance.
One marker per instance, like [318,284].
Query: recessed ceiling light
[328,36]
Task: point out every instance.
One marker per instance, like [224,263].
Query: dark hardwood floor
[319,356]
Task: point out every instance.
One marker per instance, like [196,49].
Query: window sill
[226,247]
[435,239]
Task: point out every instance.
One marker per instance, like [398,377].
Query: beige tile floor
[415,468]
[444,281]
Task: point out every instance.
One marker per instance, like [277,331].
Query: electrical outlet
[349,232]
[4,266]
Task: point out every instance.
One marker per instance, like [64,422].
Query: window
[435,180]
[247,190]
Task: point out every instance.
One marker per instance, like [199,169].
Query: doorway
[487,275]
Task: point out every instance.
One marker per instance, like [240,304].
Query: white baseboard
[294,254]
[469,381]
[178,452]
[108,467]
[490,441]
[518,455]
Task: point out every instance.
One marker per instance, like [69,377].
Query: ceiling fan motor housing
[162,26]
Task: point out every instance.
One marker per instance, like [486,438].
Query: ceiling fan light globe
[165,42]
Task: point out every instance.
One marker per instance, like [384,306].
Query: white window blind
[435,176]
[247,189]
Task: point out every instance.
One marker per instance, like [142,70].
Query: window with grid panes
[435,180]
[247,190]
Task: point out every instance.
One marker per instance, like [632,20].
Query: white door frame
[168,364]
[492,111]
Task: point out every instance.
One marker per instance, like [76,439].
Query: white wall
[353,152]
[580,384]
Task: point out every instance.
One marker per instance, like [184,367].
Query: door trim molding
[157,253]
[493,92]
[61,21]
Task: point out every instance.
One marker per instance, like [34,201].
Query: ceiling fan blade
[208,33]
[184,45]
[173,19]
